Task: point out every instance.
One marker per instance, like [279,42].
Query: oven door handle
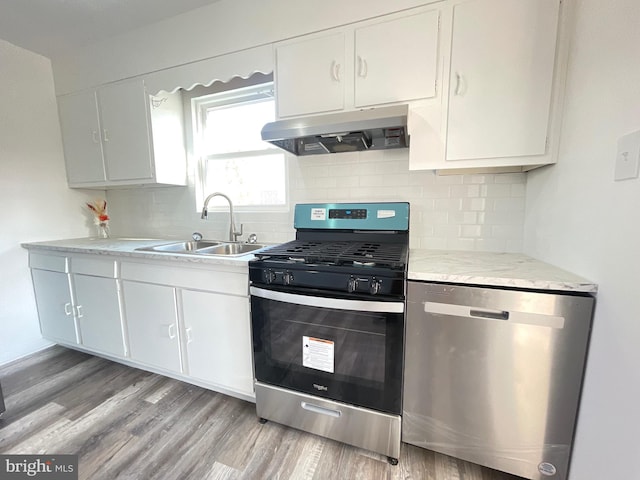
[327,302]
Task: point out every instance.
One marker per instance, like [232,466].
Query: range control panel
[358,213]
[299,279]
[382,216]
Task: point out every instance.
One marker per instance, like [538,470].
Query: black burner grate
[340,253]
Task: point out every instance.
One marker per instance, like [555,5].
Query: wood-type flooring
[126,423]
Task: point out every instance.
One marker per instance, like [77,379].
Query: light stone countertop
[471,268]
[493,269]
[126,247]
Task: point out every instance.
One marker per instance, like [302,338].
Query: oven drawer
[363,428]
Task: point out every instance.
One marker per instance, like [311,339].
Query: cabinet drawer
[197,279]
[97,267]
[54,263]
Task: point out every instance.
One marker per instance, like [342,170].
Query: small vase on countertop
[99,210]
[103,230]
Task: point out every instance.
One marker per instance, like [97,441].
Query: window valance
[222,68]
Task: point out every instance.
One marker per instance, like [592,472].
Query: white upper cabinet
[124,117]
[504,64]
[388,60]
[310,75]
[81,138]
[118,135]
[396,60]
[502,60]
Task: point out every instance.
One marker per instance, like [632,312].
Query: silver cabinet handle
[189,337]
[67,309]
[363,68]
[105,135]
[321,410]
[79,311]
[335,71]
[171,331]
[461,85]
[94,136]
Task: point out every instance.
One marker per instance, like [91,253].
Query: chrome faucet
[233,235]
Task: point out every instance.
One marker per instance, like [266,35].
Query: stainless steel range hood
[373,129]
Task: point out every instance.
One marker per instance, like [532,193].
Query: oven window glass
[356,342]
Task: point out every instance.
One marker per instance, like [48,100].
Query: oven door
[344,349]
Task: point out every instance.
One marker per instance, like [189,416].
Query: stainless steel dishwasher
[493,376]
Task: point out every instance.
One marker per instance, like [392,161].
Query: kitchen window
[233,157]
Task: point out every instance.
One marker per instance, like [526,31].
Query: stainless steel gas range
[328,318]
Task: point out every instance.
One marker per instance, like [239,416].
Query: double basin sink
[205,247]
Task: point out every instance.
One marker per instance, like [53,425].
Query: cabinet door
[397,60]
[502,60]
[98,312]
[218,339]
[310,75]
[53,298]
[152,324]
[81,138]
[124,118]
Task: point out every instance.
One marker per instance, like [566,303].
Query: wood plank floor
[126,423]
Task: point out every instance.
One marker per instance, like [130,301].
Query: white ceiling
[51,26]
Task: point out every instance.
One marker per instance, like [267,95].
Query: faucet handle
[253,238]
[197,236]
[237,234]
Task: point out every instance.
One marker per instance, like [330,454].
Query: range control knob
[269,276]
[352,285]
[374,286]
[287,278]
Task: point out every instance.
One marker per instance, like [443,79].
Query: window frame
[224,99]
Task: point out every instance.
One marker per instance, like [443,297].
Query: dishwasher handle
[495,314]
[467,311]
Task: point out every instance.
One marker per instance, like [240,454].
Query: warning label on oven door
[317,353]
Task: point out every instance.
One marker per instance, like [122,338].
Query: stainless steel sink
[181,247]
[231,249]
[205,247]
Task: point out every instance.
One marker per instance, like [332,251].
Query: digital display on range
[348,213]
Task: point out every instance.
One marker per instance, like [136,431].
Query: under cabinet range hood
[372,129]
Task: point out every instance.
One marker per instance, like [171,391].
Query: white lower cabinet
[192,323]
[98,312]
[55,310]
[152,324]
[78,301]
[218,339]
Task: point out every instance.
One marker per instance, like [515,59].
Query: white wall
[223,27]
[577,217]
[465,212]
[35,203]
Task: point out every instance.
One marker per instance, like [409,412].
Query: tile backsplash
[482,212]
